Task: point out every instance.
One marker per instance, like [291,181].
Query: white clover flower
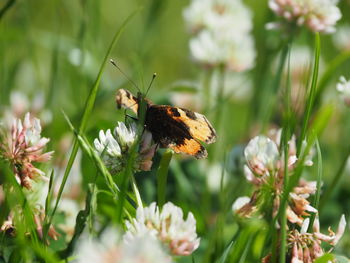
[113,149]
[341,38]
[317,15]
[222,34]
[125,136]
[108,144]
[218,15]
[109,249]
[261,154]
[343,87]
[168,226]
[205,49]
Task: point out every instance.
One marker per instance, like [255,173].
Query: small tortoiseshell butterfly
[171,127]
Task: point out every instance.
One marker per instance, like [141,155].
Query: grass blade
[318,185]
[162,175]
[312,93]
[88,109]
[226,253]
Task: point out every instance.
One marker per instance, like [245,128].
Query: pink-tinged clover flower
[316,15]
[265,167]
[167,225]
[22,147]
[306,247]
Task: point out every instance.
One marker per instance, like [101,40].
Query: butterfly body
[171,127]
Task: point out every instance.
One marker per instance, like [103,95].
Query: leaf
[325,258]
[88,109]
[224,255]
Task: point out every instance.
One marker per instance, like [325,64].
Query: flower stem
[162,175]
[312,93]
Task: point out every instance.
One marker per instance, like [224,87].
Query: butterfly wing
[179,129]
[126,100]
[197,124]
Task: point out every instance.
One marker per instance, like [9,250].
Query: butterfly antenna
[150,84]
[125,75]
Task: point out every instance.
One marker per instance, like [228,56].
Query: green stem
[312,93]
[272,93]
[162,176]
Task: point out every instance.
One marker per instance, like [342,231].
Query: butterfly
[176,128]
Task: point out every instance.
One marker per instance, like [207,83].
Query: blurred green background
[56,48]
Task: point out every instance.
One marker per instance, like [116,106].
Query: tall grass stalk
[286,134]
[162,175]
[312,93]
[87,111]
[270,95]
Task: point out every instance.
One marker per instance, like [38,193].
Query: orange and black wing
[126,100]
[179,129]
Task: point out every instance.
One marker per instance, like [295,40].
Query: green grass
[61,49]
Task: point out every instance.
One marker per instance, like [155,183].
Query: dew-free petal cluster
[23,146]
[114,148]
[166,225]
[316,15]
[109,249]
[261,154]
[306,247]
[221,34]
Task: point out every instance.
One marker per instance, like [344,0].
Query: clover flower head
[306,247]
[109,249]
[125,136]
[167,225]
[22,146]
[343,88]
[114,148]
[217,37]
[316,15]
[261,154]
